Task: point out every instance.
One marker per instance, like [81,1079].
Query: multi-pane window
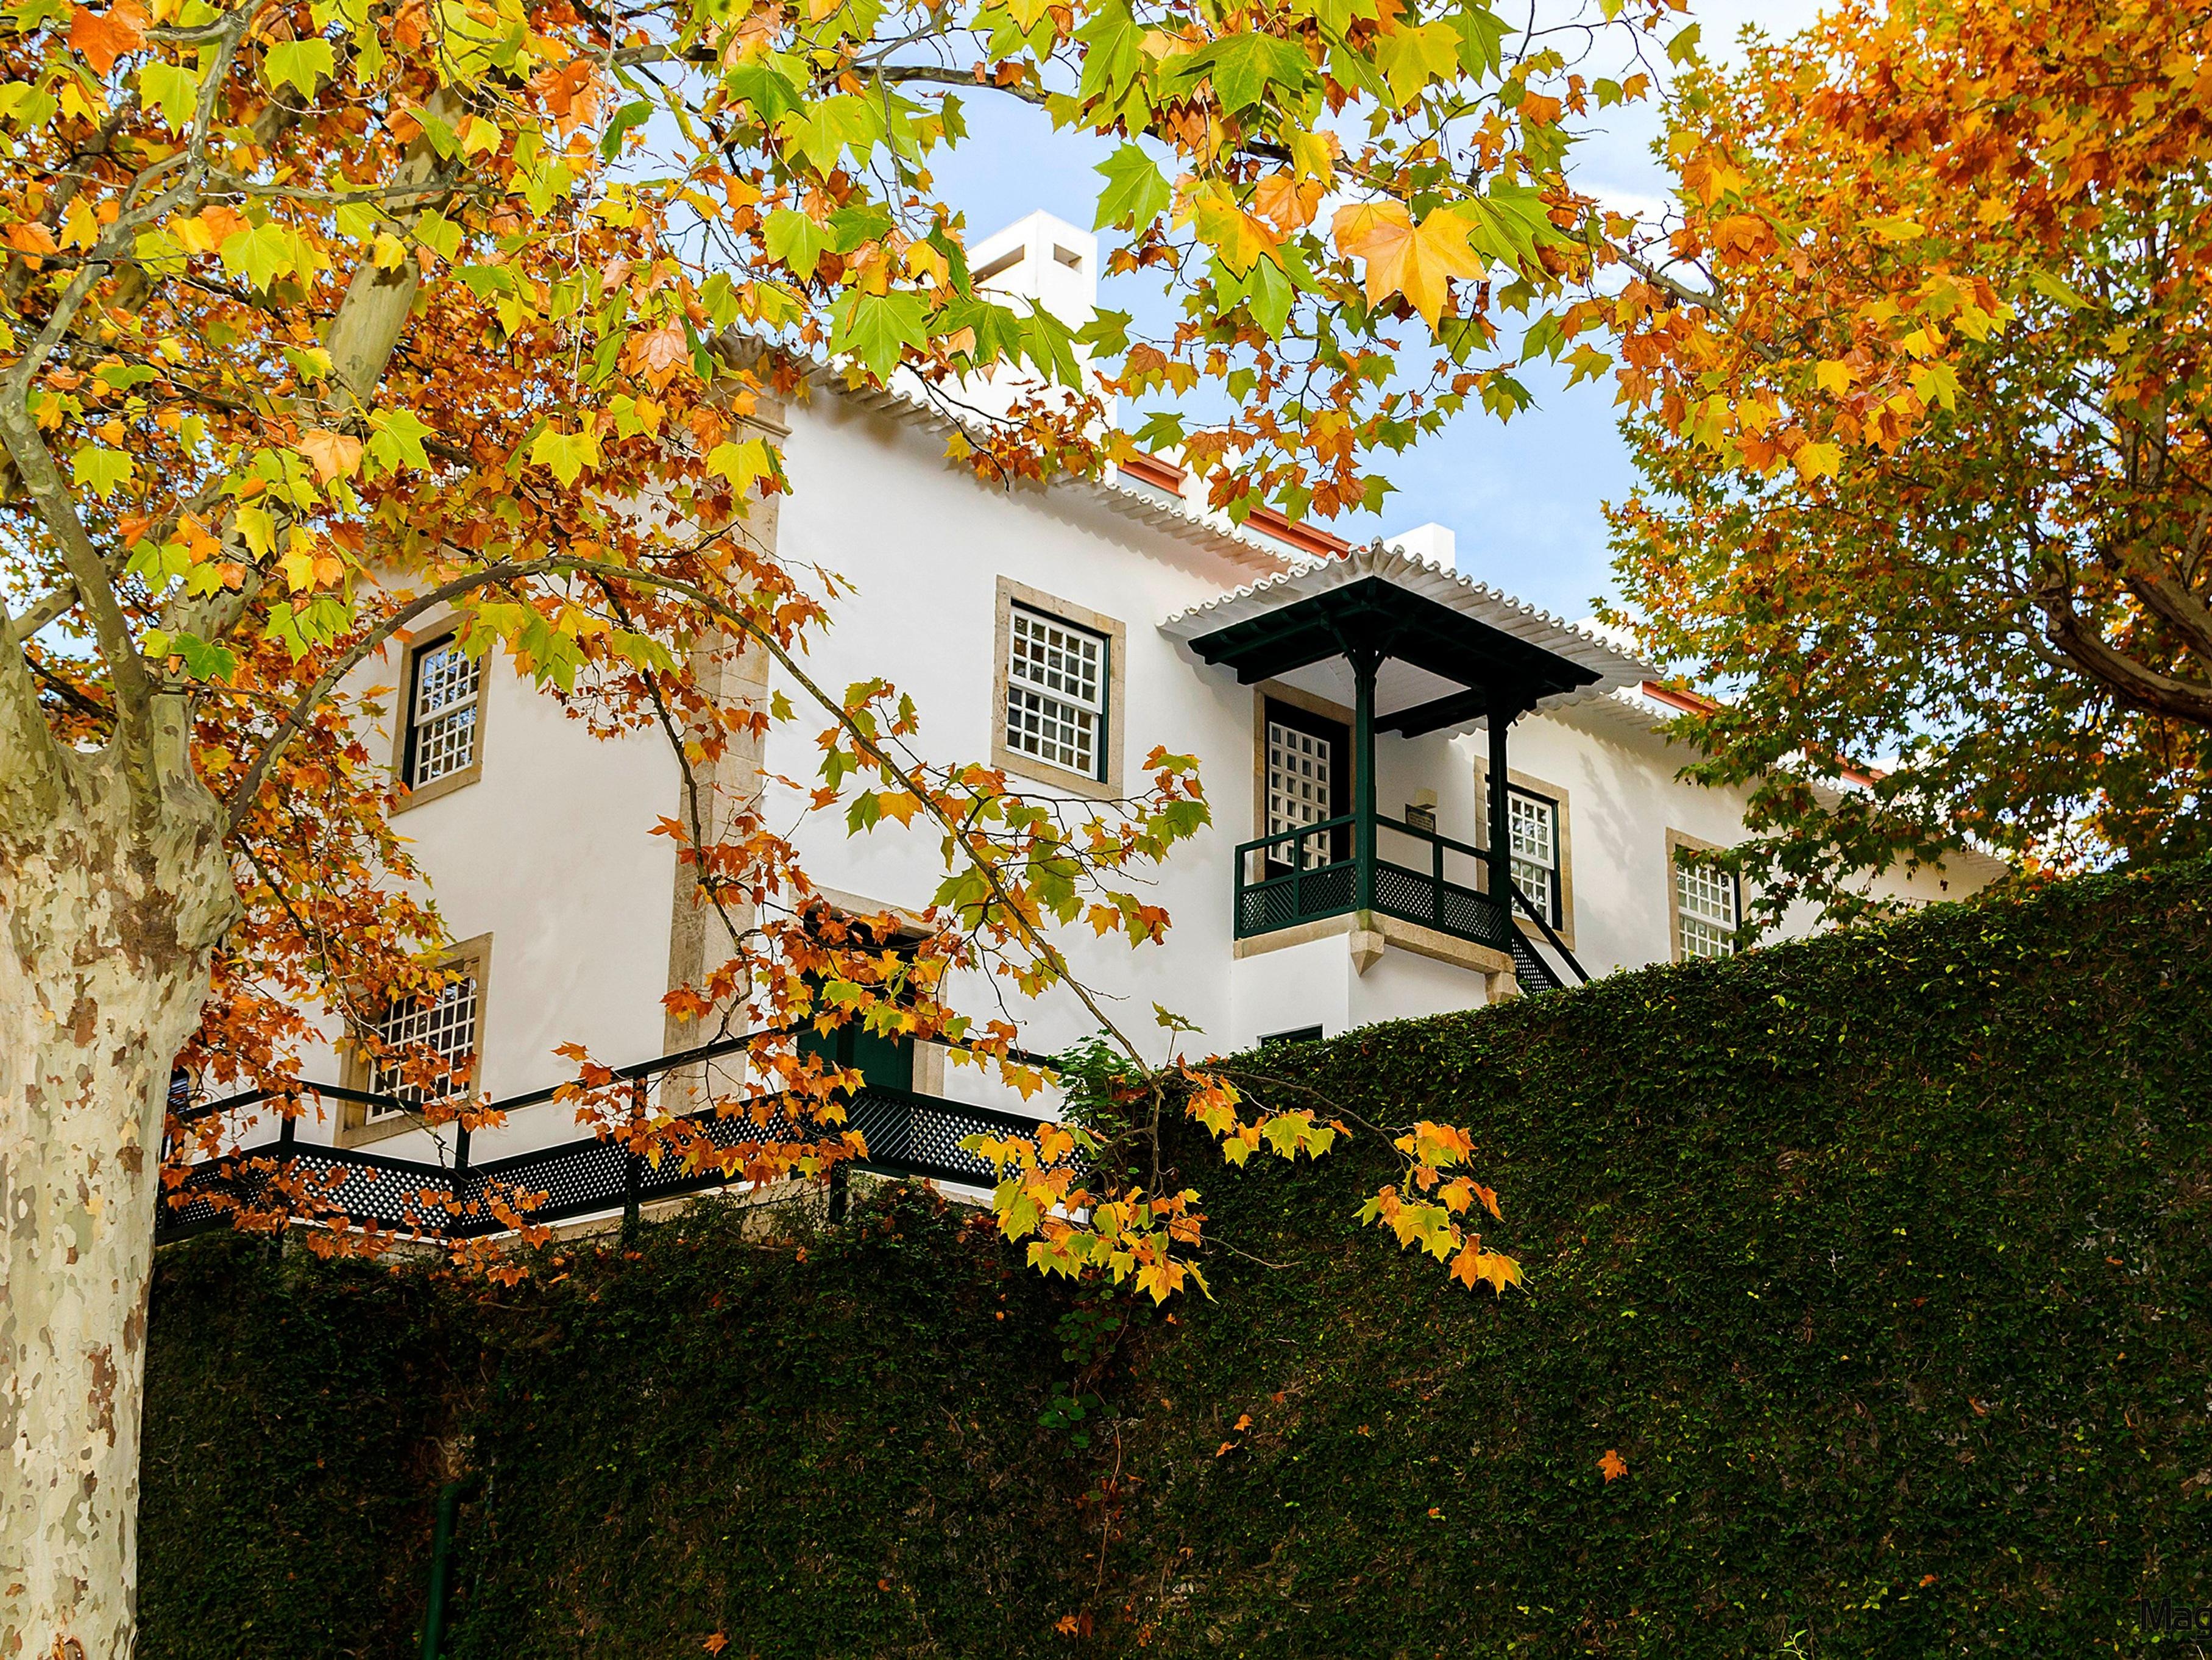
[445,1022]
[441,714]
[1056,682]
[1532,835]
[1706,907]
[1300,777]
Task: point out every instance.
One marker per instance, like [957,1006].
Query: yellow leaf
[1835,378]
[79,228]
[1817,460]
[388,251]
[1403,258]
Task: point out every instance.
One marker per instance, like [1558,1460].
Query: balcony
[1412,874]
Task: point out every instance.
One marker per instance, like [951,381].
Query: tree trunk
[106,923]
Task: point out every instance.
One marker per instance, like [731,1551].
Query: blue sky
[1525,497]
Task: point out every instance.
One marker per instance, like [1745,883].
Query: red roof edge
[1691,703]
[1151,469]
[1307,538]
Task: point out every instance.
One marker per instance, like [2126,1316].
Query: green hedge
[1883,1260]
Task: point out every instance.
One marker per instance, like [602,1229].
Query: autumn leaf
[333,454]
[1404,258]
[716,1643]
[105,36]
[1614,1465]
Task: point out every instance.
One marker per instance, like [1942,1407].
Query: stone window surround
[354,1128]
[1679,842]
[1517,779]
[425,637]
[1107,787]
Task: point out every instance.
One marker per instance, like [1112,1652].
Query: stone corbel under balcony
[1368,933]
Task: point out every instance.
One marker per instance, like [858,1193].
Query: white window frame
[1560,911]
[468,969]
[1286,802]
[1523,805]
[1058,708]
[1700,894]
[462,710]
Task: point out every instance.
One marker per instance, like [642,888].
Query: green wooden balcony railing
[1357,863]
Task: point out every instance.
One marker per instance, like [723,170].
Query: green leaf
[396,440]
[203,661]
[260,253]
[1136,190]
[630,115]
[439,235]
[771,92]
[299,63]
[101,470]
[171,88]
[1508,222]
[565,454]
[874,327]
[1482,34]
[824,130]
[796,240]
[1683,46]
[1244,65]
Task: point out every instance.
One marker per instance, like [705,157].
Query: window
[1540,848]
[1532,833]
[441,744]
[1706,904]
[449,1022]
[1305,778]
[445,1022]
[1299,1035]
[1300,770]
[1056,682]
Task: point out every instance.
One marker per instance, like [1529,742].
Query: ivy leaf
[1136,191]
[300,63]
[873,327]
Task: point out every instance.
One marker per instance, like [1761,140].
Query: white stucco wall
[551,851]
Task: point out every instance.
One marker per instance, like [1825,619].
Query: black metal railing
[907,1134]
[1340,865]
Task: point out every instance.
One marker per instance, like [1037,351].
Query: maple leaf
[715,1643]
[1416,261]
[1613,1464]
[333,454]
[105,36]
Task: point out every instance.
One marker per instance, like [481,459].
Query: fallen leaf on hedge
[1613,1464]
[715,1644]
[1244,1420]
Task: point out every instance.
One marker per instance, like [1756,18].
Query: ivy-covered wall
[1883,1262]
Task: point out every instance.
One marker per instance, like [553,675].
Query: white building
[1062,632]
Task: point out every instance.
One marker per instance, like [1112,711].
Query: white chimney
[1042,259]
[1437,543]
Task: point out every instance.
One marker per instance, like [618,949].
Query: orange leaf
[715,1644]
[335,455]
[1614,1465]
[1244,1420]
[32,237]
[105,36]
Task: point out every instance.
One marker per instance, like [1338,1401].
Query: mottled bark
[107,915]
